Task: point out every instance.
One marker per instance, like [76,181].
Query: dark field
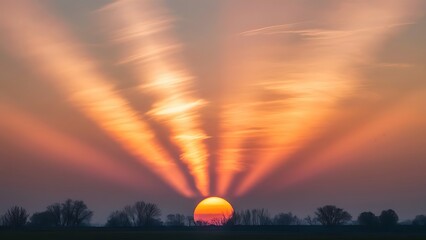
[299,233]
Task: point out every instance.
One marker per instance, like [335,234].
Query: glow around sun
[213,211]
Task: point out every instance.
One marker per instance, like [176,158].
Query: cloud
[317,33]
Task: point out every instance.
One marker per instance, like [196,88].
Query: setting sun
[213,211]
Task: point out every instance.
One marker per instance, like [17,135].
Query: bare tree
[131,214]
[75,213]
[254,217]
[175,220]
[152,213]
[139,209]
[286,219]
[55,213]
[331,215]
[15,217]
[146,214]
[67,213]
[258,216]
[138,215]
[71,213]
[190,220]
[245,217]
[263,217]
[81,214]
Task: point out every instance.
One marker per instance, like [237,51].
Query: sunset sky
[282,104]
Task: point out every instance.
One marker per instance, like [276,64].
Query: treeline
[75,213]
[71,213]
[328,215]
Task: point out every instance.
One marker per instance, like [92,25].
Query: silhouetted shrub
[331,216]
[368,219]
[420,220]
[43,219]
[118,219]
[388,218]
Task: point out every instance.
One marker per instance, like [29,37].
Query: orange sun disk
[213,211]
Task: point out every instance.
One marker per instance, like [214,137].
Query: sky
[279,104]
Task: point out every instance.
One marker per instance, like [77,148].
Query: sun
[213,211]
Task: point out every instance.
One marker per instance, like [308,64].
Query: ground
[204,234]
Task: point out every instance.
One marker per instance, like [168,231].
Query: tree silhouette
[75,213]
[190,220]
[388,218]
[258,216]
[43,219]
[118,219]
[175,220]
[71,213]
[138,215]
[55,210]
[286,219]
[368,219]
[14,217]
[147,214]
[331,215]
[233,220]
[131,214]
[245,217]
[420,220]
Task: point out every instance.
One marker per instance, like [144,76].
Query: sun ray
[50,50]
[64,149]
[149,48]
[282,104]
[393,119]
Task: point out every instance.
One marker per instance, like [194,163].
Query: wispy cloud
[394,65]
[317,33]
